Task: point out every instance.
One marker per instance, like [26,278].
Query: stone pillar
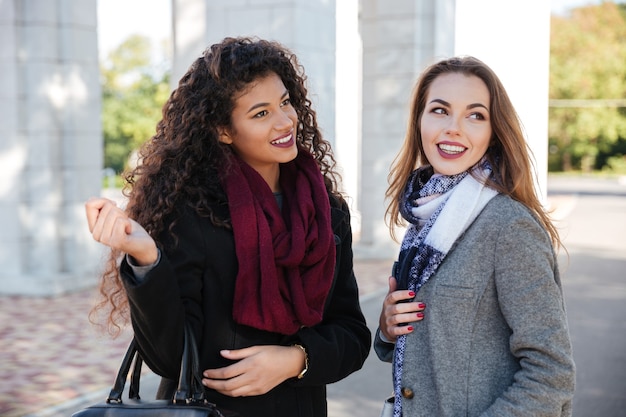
[50,144]
[306,27]
[398,42]
[348,72]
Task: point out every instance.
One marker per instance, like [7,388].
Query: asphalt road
[594,279]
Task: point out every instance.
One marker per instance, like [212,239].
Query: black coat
[195,281]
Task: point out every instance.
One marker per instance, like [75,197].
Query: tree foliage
[587,67]
[132,98]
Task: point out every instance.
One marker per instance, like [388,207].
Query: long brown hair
[182,162]
[508,153]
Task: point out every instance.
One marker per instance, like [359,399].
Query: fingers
[111,225]
[239,353]
[254,373]
[92,210]
[225,373]
[233,387]
[107,223]
[399,314]
[230,371]
[399,319]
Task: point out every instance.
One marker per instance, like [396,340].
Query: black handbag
[187,401]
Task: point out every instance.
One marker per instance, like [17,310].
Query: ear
[224,136]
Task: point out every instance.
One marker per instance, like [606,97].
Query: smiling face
[263,131]
[455,125]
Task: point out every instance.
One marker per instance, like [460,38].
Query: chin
[448,170]
[291,156]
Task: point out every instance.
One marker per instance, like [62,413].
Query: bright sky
[562,6]
[118,19]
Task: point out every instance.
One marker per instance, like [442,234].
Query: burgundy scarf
[286,263]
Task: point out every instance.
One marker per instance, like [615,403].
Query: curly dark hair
[181,164]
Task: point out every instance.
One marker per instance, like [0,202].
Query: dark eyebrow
[469,106]
[256,106]
[438,100]
[474,105]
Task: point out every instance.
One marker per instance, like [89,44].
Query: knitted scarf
[439,209]
[286,260]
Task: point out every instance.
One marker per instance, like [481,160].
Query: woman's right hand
[398,312]
[111,226]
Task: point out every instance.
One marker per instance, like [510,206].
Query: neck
[271,175]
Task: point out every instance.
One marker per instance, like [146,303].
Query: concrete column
[349,69]
[50,144]
[306,27]
[398,42]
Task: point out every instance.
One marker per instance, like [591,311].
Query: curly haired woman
[234,225]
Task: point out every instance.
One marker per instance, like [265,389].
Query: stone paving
[51,354]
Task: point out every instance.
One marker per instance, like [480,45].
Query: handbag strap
[115,396]
[133,390]
[189,384]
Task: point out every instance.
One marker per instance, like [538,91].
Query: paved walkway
[50,353]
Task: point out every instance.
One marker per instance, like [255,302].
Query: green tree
[132,98]
[587,84]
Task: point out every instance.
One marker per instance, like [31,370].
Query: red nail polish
[411,293]
[420,315]
[410,328]
[421,305]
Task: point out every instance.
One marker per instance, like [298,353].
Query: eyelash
[262,113]
[441,110]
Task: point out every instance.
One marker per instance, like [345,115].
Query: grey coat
[494,340]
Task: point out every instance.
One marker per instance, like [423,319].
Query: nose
[453,127]
[284,119]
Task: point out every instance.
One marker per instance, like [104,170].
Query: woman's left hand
[399,312]
[258,370]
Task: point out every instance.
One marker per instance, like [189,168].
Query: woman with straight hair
[474,321]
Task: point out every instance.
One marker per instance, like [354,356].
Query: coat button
[407,393]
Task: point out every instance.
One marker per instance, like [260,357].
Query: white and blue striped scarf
[458,200]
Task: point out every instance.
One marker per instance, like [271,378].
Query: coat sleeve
[340,344]
[169,296]
[384,350]
[531,300]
